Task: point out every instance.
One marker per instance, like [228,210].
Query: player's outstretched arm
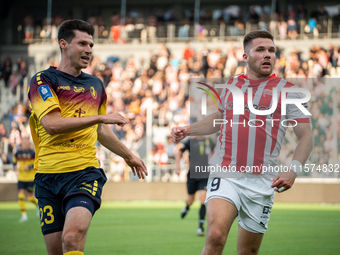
[107,138]
[205,126]
[54,123]
[302,151]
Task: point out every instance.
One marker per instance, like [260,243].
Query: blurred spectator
[160,157]
[292,27]
[264,19]
[14,80]
[188,52]
[314,13]
[28,27]
[14,135]
[323,19]
[152,27]
[301,12]
[7,70]
[282,27]
[253,18]
[213,58]
[312,25]
[115,28]
[2,131]
[183,31]
[7,150]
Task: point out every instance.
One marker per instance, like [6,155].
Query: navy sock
[202,215]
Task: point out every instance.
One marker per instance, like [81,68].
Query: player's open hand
[137,166]
[284,181]
[179,133]
[114,118]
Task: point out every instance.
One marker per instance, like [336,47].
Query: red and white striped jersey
[250,139]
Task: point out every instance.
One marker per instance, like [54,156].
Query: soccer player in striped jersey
[68,117]
[248,143]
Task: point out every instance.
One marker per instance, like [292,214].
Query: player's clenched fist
[178,133]
[114,118]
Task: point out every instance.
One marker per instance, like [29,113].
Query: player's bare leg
[53,243]
[76,225]
[191,199]
[220,214]
[248,243]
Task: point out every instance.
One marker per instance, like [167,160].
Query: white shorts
[253,198]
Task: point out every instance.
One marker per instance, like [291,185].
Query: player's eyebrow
[263,47]
[86,42]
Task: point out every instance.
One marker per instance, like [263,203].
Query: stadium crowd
[162,83]
[287,24]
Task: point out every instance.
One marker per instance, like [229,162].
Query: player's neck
[66,67]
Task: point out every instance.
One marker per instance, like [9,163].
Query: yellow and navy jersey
[75,97]
[24,159]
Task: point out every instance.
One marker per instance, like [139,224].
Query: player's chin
[83,63]
[83,66]
[266,71]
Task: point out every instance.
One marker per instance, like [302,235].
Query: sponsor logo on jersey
[64,87]
[93,92]
[71,145]
[45,92]
[78,90]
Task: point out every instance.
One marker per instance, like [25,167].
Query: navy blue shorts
[54,190]
[29,186]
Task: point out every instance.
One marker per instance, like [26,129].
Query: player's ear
[245,57]
[63,44]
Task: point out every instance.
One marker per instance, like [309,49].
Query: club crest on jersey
[93,92]
[267,92]
[45,92]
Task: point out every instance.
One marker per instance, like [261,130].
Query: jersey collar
[54,69]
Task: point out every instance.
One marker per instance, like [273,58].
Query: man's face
[79,50]
[25,144]
[260,56]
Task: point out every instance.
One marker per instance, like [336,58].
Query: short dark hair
[66,29]
[248,38]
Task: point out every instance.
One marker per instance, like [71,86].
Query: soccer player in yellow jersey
[23,162]
[68,117]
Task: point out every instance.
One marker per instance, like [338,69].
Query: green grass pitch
[145,227]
